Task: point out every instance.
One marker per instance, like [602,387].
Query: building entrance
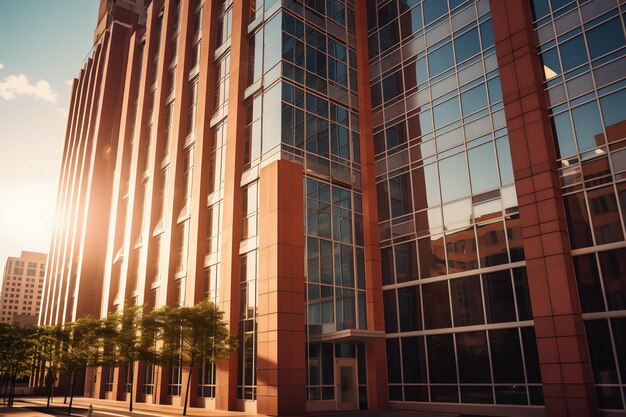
[346,384]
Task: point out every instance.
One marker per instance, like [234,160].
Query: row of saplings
[168,336]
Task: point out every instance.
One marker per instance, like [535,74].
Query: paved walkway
[36,407]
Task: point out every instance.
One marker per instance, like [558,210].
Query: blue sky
[43,44]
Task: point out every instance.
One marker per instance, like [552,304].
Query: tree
[49,345]
[126,342]
[82,348]
[17,355]
[189,335]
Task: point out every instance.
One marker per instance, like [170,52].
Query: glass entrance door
[346,384]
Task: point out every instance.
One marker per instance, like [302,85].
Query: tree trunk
[12,392]
[132,379]
[187,390]
[51,380]
[67,389]
[69,410]
[4,380]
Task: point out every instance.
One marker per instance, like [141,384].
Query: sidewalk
[120,409]
[21,412]
[140,409]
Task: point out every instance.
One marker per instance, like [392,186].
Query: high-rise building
[398,204]
[22,285]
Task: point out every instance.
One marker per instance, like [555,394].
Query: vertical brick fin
[563,353]
[377,396]
[281,339]
[226,370]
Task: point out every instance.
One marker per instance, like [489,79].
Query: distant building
[22,284]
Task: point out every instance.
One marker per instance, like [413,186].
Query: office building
[398,204]
[22,285]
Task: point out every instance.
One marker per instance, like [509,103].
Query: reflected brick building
[399,204]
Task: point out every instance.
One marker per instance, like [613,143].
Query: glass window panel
[440,59]
[577,220]
[483,170]
[436,305]
[467,302]
[441,360]
[613,266]
[522,294]
[551,64]
[461,250]
[273,34]
[504,161]
[444,393]
[394,373]
[391,315]
[392,86]
[511,395]
[514,236]
[587,125]
[474,99]
[326,259]
[607,226]
[531,357]
[613,115]
[406,262]
[415,393]
[495,91]
[588,281]
[382,194]
[425,185]
[609,398]
[410,309]
[413,359]
[473,356]
[486,34]
[573,53]
[562,128]
[540,8]
[466,45]
[619,336]
[386,262]
[492,244]
[476,394]
[454,178]
[446,112]
[601,351]
[605,38]
[411,22]
[400,195]
[431,256]
[499,297]
[506,356]
[434,9]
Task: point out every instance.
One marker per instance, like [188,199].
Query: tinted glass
[613,265]
[441,361]
[391,318]
[410,309]
[413,359]
[506,357]
[522,294]
[473,357]
[587,126]
[499,297]
[605,38]
[394,373]
[601,351]
[483,169]
[406,262]
[573,53]
[436,305]
[588,280]
[466,45]
[454,178]
[577,220]
[607,226]
[467,302]
[440,59]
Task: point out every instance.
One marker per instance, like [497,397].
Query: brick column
[280,332]
[376,363]
[226,370]
[563,355]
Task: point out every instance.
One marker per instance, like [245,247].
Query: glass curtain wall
[458,321]
[581,46]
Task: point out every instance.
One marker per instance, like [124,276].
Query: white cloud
[1,65]
[69,82]
[62,111]
[18,85]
